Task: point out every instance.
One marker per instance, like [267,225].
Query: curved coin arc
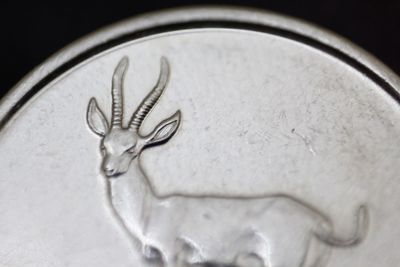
[205,18]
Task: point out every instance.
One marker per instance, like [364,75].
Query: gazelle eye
[131,150]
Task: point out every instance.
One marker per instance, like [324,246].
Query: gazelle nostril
[108,170]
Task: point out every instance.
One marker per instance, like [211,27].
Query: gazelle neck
[132,197]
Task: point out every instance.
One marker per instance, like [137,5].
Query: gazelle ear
[164,130]
[95,119]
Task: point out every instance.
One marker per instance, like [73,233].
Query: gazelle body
[183,230]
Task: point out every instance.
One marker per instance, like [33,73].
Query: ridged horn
[151,99]
[117,86]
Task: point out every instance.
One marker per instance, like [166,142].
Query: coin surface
[202,137]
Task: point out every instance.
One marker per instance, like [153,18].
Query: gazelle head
[119,144]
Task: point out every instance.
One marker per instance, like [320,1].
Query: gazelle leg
[317,254]
[143,262]
[186,254]
[249,260]
[151,253]
[181,260]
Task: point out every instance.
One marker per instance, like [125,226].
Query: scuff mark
[306,141]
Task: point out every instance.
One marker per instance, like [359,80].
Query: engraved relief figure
[205,230]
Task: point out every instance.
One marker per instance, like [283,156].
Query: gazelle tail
[328,237]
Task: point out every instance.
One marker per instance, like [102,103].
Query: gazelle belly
[219,230]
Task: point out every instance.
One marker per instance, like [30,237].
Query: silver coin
[202,137]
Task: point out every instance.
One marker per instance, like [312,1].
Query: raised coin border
[196,18]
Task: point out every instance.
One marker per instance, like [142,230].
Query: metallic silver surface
[269,143]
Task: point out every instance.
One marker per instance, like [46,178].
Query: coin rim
[190,18]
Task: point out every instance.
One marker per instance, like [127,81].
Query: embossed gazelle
[186,230]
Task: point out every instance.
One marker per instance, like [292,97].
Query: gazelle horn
[151,99]
[117,85]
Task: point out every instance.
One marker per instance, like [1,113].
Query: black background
[32,31]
